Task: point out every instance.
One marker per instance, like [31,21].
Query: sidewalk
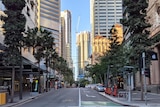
[26,97]
[153,100]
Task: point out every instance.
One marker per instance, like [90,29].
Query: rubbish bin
[3,98]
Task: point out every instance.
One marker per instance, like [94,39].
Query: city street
[70,97]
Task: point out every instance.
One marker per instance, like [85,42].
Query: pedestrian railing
[123,94]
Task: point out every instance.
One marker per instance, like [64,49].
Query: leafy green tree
[137,24]
[68,76]
[139,35]
[42,43]
[13,28]
[113,57]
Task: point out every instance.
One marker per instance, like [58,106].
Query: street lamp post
[129,92]
[108,72]
[144,77]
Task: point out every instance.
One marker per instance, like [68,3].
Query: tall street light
[108,73]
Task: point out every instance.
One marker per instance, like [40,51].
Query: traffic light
[153,55]
[147,72]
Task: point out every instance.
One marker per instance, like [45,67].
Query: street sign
[80,76]
[30,78]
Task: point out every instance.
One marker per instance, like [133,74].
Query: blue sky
[78,8]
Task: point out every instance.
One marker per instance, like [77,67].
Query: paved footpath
[27,96]
[153,100]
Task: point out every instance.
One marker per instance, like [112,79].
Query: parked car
[100,88]
[92,86]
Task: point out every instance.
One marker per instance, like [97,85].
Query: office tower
[44,13]
[50,19]
[103,15]
[66,36]
[83,46]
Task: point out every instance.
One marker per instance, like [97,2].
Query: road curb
[117,101]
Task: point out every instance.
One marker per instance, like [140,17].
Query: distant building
[66,43]
[84,49]
[45,14]
[103,15]
[100,44]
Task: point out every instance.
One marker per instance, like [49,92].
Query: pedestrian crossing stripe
[98,103]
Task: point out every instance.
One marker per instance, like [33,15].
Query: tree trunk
[13,78]
[39,78]
[101,80]
[105,79]
[20,79]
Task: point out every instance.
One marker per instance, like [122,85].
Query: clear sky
[80,9]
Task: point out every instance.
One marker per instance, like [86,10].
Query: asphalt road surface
[71,97]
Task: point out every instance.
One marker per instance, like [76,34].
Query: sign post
[31,81]
[144,77]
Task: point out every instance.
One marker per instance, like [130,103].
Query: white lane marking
[86,91]
[89,95]
[79,98]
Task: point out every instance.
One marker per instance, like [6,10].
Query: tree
[13,28]
[139,35]
[42,42]
[138,24]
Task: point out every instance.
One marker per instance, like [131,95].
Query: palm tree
[42,43]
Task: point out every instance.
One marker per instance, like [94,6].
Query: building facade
[100,44]
[153,14]
[66,43]
[50,19]
[83,50]
[103,15]
[39,13]
[45,14]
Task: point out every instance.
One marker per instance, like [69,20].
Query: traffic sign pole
[144,77]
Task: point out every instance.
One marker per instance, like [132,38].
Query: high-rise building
[50,19]
[83,46]
[45,14]
[103,15]
[66,47]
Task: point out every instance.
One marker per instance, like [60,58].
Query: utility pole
[107,76]
[129,86]
[144,77]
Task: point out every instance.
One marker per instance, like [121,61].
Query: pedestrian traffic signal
[153,55]
[147,72]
